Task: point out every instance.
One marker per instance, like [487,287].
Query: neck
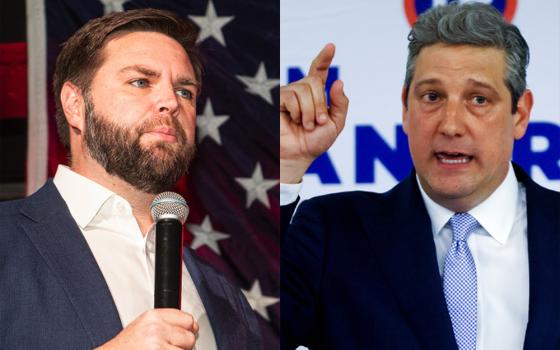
[139,201]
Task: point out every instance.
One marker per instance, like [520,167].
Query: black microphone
[169,211]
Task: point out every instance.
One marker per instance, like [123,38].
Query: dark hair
[81,55]
[474,24]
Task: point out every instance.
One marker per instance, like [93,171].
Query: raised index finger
[320,65]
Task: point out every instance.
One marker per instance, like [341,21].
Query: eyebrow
[482,84]
[471,81]
[151,73]
[431,81]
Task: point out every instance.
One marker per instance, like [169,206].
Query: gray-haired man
[465,252]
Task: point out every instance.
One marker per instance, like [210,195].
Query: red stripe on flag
[13,75]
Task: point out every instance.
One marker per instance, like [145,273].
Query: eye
[479,100]
[430,97]
[184,93]
[140,83]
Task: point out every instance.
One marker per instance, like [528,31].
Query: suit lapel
[232,321]
[543,231]
[49,225]
[402,237]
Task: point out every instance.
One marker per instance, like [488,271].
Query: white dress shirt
[499,249]
[125,256]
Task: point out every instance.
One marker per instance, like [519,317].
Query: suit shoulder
[9,211]
[9,208]
[352,204]
[545,199]
[349,200]
[10,230]
[349,197]
[549,193]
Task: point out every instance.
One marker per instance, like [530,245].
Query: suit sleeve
[301,274]
[286,213]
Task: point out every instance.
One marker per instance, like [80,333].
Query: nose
[166,99]
[452,120]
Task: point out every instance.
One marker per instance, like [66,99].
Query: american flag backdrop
[232,186]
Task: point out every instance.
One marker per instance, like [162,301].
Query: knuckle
[153,330]
[287,90]
[291,101]
[192,319]
[150,316]
[189,319]
[152,344]
[322,107]
[190,338]
[314,80]
[287,95]
[302,88]
[293,106]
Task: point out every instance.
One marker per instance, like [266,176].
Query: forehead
[458,63]
[151,49]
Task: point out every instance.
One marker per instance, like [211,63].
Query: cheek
[188,123]
[124,110]
[421,131]
[496,140]
[190,130]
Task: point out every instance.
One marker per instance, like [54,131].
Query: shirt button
[150,243]
[150,247]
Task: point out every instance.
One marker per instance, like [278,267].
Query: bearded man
[77,257]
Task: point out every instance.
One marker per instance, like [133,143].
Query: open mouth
[453,158]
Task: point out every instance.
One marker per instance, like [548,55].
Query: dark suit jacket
[359,271]
[53,295]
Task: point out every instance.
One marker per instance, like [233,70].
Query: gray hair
[474,24]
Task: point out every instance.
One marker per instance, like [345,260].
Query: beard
[151,169]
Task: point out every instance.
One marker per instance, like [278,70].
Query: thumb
[338,105]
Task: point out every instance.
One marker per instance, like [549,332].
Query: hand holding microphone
[165,325]
[157,329]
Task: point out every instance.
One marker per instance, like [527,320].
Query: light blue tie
[459,282]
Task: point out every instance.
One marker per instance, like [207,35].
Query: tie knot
[462,224]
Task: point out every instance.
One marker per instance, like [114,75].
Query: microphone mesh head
[169,204]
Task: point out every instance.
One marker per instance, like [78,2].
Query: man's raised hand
[307,126]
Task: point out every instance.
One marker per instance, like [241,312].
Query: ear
[404,111]
[521,116]
[73,105]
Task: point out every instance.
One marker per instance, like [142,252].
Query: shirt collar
[496,214]
[83,196]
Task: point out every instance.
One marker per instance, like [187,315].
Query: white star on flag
[211,25]
[256,186]
[110,6]
[260,85]
[258,301]
[208,124]
[204,234]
